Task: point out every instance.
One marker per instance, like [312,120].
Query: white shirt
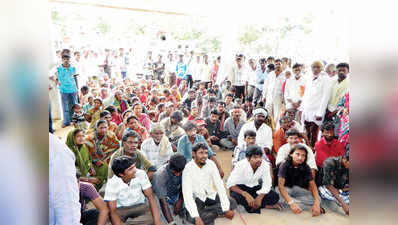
[292,90]
[284,150]
[63,192]
[194,70]
[238,77]
[205,72]
[199,183]
[316,98]
[127,194]
[263,137]
[274,87]
[151,151]
[252,76]
[243,174]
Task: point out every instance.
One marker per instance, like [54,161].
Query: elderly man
[157,149]
[273,95]
[172,128]
[315,101]
[263,131]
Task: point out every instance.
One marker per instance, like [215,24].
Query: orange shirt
[279,139]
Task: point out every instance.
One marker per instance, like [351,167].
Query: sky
[330,27]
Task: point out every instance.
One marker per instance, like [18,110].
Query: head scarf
[83,161]
[98,140]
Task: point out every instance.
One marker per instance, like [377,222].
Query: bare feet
[276,206]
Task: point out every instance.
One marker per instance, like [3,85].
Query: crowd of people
[145,142]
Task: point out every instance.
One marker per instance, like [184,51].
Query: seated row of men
[184,184]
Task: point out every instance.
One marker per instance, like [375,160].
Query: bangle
[291,202]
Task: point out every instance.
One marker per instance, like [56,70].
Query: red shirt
[190,117]
[117,118]
[324,150]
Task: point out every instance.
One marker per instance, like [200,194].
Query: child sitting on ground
[78,119]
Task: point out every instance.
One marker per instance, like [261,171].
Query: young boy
[129,194]
[78,119]
[89,105]
[240,151]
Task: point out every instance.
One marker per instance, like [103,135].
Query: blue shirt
[261,78]
[66,79]
[184,146]
[181,69]
[166,185]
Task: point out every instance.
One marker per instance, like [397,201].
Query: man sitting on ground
[328,146]
[245,186]
[203,203]
[335,183]
[129,148]
[293,138]
[97,216]
[191,137]
[128,194]
[167,185]
[296,184]
[233,125]
[157,149]
[217,136]
[240,151]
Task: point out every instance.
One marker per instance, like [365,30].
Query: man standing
[181,70]
[261,77]
[273,96]
[339,89]
[294,89]
[245,186]
[63,192]
[159,68]
[67,86]
[203,203]
[167,185]
[252,77]
[148,67]
[263,131]
[315,100]
[238,77]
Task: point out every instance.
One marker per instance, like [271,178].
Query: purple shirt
[87,192]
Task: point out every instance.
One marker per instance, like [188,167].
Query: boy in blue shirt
[181,70]
[67,86]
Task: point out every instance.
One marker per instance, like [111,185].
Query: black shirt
[295,176]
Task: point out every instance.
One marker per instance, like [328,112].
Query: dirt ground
[267,216]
